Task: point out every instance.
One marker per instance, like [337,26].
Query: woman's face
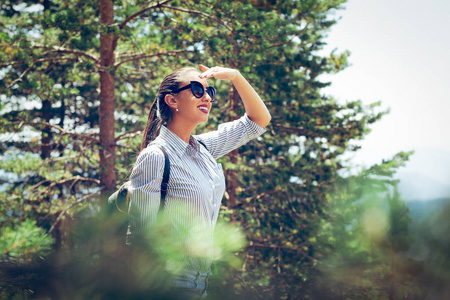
[191,108]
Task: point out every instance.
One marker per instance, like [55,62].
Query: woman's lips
[203,108]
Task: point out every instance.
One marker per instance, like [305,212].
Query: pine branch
[131,133]
[162,5]
[64,211]
[31,67]
[63,131]
[19,78]
[142,11]
[15,63]
[143,56]
[74,180]
[299,32]
[57,49]
[300,130]
[76,52]
[67,51]
[196,12]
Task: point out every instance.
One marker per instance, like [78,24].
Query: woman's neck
[182,130]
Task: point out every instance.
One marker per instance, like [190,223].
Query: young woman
[196,184]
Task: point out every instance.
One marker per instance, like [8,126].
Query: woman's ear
[171,101]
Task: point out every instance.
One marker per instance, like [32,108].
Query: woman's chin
[204,119]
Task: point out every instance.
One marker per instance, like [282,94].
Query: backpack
[119,201]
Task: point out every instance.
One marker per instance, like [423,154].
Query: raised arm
[255,108]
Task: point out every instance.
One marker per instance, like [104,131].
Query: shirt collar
[178,144]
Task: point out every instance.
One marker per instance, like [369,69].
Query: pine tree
[78,77]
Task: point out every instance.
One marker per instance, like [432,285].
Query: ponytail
[153,126]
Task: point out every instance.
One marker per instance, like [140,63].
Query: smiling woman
[196,184]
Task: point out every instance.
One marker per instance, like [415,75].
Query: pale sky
[401,56]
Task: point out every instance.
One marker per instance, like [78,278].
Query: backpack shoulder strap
[203,145]
[164,183]
[165,180]
[122,196]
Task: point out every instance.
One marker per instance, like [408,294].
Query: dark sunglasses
[198,90]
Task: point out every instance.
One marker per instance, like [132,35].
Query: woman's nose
[207,97]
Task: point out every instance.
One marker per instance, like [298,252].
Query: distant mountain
[423,210]
[416,186]
[426,176]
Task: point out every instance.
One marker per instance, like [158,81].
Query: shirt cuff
[253,129]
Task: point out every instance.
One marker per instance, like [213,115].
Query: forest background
[77,80]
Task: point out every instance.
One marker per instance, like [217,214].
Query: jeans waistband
[199,275]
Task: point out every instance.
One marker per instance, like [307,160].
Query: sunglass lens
[197,89]
[211,92]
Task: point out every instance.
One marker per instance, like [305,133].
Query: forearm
[255,108]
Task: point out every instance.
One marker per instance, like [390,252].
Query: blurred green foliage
[24,242]
[431,244]
[96,263]
[367,239]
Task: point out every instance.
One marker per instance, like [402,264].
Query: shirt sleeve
[230,136]
[145,191]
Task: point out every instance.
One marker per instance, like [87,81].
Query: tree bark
[47,135]
[107,99]
[232,174]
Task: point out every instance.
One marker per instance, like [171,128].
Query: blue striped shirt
[195,188]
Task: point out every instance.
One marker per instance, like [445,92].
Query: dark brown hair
[170,83]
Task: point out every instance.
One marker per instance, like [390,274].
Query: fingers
[203,67]
[208,72]
[217,72]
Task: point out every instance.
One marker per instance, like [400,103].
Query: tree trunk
[232,174]
[107,99]
[62,115]
[47,135]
